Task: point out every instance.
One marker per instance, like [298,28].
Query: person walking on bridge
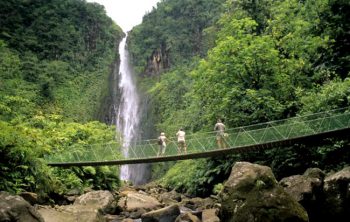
[162,144]
[220,134]
[181,141]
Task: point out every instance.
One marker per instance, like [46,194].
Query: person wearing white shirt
[181,141]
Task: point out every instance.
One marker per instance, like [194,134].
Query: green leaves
[175,29]
[267,60]
[9,63]
[22,147]
[331,95]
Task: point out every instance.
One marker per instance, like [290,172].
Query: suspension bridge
[307,129]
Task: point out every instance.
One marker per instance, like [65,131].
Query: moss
[260,204]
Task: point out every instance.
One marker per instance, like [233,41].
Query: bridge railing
[87,152]
[250,135]
[201,142]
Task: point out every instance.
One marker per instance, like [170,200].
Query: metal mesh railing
[251,135]
[87,152]
[268,132]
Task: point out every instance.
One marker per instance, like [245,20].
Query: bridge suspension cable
[239,139]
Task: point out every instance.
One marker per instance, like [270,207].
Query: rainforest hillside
[245,62]
[55,59]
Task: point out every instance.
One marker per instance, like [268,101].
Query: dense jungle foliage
[245,62]
[55,59]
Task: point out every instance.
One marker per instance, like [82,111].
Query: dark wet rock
[252,194]
[315,173]
[198,204]
[137,213]
[169,198]
[166,214]
[30,197]
[303,188]
[307,190]
[15,208]
[187,217]
[337,195]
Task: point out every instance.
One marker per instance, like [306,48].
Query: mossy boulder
[307,189]
[252,194]
[15,208]
[337,195]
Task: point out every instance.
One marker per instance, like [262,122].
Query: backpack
[160,141]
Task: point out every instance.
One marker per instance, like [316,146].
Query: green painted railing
[281,130]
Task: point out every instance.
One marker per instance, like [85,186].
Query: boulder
[132,201]
[169,198]
[15,208]
[187,217]
[89,207]
[337,195]
[307,190]
[252,194]
[70,213]
[210,215]
[166,214]
[304,188]
[30,197]
[101,199]
[198,204]
[137,213]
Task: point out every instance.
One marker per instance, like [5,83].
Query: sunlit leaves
[53,67]
[332,95]
[24,144]
[271,60]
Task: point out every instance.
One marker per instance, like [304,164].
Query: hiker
[220,134]
[181,141]
[162,144]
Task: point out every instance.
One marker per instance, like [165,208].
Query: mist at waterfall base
[128,114]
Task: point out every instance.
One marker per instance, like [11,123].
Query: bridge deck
[313,139]
[303,129]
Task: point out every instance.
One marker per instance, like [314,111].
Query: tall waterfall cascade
[128,115]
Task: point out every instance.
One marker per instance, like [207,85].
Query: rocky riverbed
[251,193]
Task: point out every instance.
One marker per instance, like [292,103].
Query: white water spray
[128,112]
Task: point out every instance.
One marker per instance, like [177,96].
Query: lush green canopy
[269,60]
[55,59]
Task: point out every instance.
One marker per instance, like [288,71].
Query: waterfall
[128,116]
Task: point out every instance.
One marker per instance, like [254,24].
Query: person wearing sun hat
[162,144]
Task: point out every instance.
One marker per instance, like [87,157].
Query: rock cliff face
[107,110]
[157,62]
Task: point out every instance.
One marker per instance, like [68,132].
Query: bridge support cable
[240,139]
[278,132]
[202,147]
[94,151]
[250,136]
